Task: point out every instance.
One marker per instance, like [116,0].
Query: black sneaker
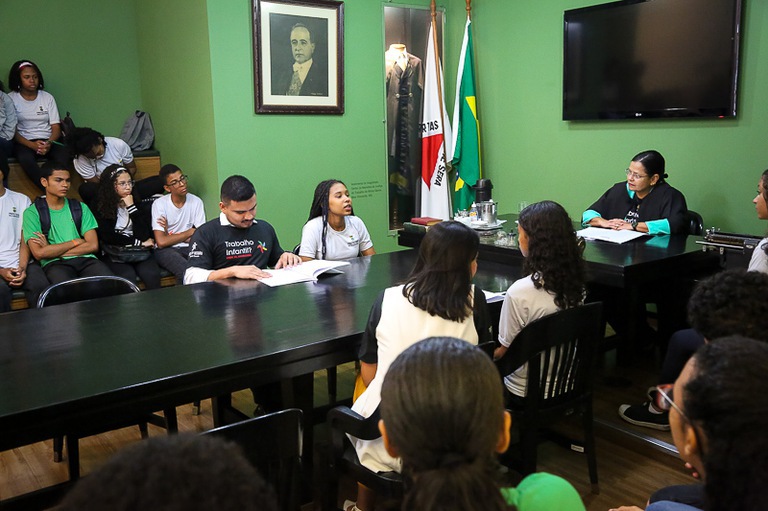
[641,415]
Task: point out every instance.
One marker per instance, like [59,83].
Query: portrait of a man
[305,71]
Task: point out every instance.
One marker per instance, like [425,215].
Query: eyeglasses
[634,175]
[667,402]
[177,182]
[124,184]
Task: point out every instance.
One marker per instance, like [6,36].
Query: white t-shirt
[759,260]
[191,214]
[523,304]
[7,117]
[35,118]
[401,325]
[339,245]
[12,206]
[115,152]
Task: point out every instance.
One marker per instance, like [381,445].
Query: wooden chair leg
[332,379]
[143,429]
[58,449]
[73,457]
[171,422]
[589,447]
[529,446]
[196,408]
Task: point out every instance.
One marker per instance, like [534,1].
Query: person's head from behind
[55,180]
[441,279]
[761,199]
[302,45]
[174,180]
[731,302]
[238,201]
[442,412]
[177,472]
[552,253]
[89,143]
[719,421]
[115,184]
[331,198]
[25,75]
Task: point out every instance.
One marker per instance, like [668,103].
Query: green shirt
[542,492]
[63,228]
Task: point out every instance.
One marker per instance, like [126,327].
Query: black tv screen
[652,59]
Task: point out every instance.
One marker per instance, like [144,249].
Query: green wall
[87,52]
[531,154]
[175,69]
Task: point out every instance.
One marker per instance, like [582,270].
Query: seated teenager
[333,231]
[235,245]
[554,280]
[122,224]
[175,217]
[437,299]
[172,473]
[644,202]
[718,413]
[94,153]
[728,303]
[16,270]
[442,413]
[65,250]
[759,260]
[38,127]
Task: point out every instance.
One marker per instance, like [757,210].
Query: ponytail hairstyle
[443,410]
[441,280]
[107,199]
[555,260]
[726,398]
[319,207]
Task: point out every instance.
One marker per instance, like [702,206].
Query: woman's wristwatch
[633,223]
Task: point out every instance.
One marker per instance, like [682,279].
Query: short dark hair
[726,399]
[236,188]
[47,170]
[731,302]
[653,162]
[176,472]
[85,139]
[166,170]
[443,410]
[441,279]
[14,75]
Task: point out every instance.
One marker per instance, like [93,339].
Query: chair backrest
[85,288]
[273,444]
[560,348]
[695,223]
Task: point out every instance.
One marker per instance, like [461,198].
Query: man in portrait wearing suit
[307,77]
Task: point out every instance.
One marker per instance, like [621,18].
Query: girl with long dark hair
[442,412]
[332,230]
[437,299]
[122,224]
[554,280]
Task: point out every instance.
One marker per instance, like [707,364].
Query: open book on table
[598,233]
[305,272]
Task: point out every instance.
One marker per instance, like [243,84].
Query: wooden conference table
[632,268]
[65,368]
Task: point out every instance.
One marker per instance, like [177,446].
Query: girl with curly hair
[333,231]
[555,277]
[121,223]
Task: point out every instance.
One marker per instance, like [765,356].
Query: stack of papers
[305,272]
[598,233]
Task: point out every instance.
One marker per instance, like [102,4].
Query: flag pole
[433,11]
[469,9]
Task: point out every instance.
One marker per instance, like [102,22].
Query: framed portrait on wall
[298,52]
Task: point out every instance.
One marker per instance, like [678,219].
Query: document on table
[304,272]
[491,297]
[598,233]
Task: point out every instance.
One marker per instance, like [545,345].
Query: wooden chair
[273,444]
[564,347]
[87,288]
[342,458]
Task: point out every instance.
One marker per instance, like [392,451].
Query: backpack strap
[75,208]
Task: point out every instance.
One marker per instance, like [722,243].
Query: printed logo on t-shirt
[13,213]
[194,252]
[41,110]
[262,246]
[239,249]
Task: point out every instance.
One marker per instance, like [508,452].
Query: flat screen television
[652,59]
